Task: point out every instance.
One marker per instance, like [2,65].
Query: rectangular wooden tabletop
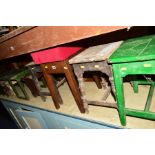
[136,49]
[30,39]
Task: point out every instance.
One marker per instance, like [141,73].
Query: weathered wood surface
[42,37]
[96,53]
[103,67]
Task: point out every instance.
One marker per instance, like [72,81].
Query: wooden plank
[43,37]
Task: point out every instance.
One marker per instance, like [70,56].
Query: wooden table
[28,39]
[135,57]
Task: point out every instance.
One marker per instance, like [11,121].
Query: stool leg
[53,89]
[106,93]
[74,86]
[33,87]
[30,84]
[23,90]
[135,86]
[44,85]
[149,98]
[13,88]
[119,94]
[97,81]
[37,85]
[111,79]
[79,76]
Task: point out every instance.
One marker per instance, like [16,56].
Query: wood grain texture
[43,37]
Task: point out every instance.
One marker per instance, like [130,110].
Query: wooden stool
[94,59]
[14,77]
[134,57]
[55,61]
[32,81]
[5,89]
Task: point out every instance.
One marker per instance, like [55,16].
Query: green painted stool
[134,57]
[14,77]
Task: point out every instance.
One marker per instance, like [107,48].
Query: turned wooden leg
[53,89]
[74,86]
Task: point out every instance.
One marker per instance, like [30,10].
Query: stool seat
[136,49]
[96,53]
[54,54]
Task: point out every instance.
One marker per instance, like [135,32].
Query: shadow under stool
[95,59]
[55,61]
[134,57]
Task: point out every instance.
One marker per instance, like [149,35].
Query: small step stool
[95,59]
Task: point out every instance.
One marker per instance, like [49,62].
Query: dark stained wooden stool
[55,61]
[94,59]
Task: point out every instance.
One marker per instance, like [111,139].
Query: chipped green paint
[136,49]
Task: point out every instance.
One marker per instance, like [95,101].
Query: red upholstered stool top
[54,54]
